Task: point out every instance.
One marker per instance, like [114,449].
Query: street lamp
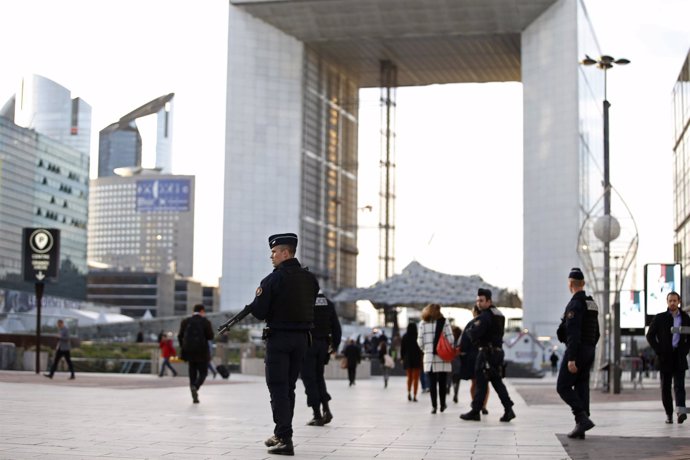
[608,223]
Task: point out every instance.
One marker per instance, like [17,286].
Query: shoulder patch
[570,315]
[321,301]
[259,291]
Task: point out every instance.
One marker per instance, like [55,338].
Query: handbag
[445,350]
[343,362]
[388,361]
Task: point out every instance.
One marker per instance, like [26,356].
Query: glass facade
[328,239]
[118,147]
[681,170]
[47,107]
[43,183]
[129,229]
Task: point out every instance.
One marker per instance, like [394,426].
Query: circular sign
[41,241]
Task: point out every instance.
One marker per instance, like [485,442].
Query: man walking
[672,351]
[487,333]
[195,332]
[62,351]
[579,330]
[285,299]
[326,336]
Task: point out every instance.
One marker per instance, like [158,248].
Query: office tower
[120,143]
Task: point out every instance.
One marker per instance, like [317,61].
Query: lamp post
[605,63]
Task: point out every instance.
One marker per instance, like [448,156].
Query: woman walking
[411,356]
[432,326]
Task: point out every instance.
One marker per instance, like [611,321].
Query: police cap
[282,238]
[576,274]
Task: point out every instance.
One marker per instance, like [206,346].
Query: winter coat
[425,340]
[410,352]
[167,348]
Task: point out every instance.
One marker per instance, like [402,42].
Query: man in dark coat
[354,355]
[326,336]
[285,300]
[672,350]
[195,332]
[579,330]
[487,333]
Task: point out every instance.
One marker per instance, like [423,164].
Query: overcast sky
[452,140]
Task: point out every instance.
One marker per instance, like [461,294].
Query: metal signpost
[41,251]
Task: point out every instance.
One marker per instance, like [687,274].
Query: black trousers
[488,369]
[437,386]
[312,373]
[284,355]
[677,377]
[58,355]
[574,388]
[352,373]
[197,373]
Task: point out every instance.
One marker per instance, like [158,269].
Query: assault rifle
[234,320]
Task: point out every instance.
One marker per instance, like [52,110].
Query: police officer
[326,336]
[487,334]
[579,330]
[285,300]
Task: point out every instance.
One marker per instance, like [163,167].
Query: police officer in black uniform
[326,336]
[285,299]
[487,334]
[579,330]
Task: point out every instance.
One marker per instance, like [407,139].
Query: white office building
[285,57]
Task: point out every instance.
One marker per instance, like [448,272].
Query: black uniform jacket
[573,323]
[660,339]
[268,291]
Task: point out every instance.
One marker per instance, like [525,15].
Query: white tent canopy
[418,286]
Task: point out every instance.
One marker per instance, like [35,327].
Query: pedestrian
[671,349]
[211,367]
[579,330]
[456,363]
[167,351]
[62,350]
[468,360]
[487,334]
[554,362]
[193,336]
[411,356]
[326,336]
[285,300]
[432,326]
[385,359]
[353,354]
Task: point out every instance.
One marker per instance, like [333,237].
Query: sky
[452,139]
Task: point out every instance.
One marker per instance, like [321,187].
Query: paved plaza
[143,416]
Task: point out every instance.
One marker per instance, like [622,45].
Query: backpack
[194,339]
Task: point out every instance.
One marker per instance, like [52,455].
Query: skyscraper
[44,176]
[142,220]
[120,144]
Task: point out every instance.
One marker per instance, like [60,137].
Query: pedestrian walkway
[146,417]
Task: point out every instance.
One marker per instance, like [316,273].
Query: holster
[266,333]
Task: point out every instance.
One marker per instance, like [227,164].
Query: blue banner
[156,195]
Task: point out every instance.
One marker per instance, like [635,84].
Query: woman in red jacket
[167,351]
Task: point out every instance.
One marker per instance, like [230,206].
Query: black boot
[582,424]
[327,415]
[317,420]
[508,415]
[473,415]
[284,447]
